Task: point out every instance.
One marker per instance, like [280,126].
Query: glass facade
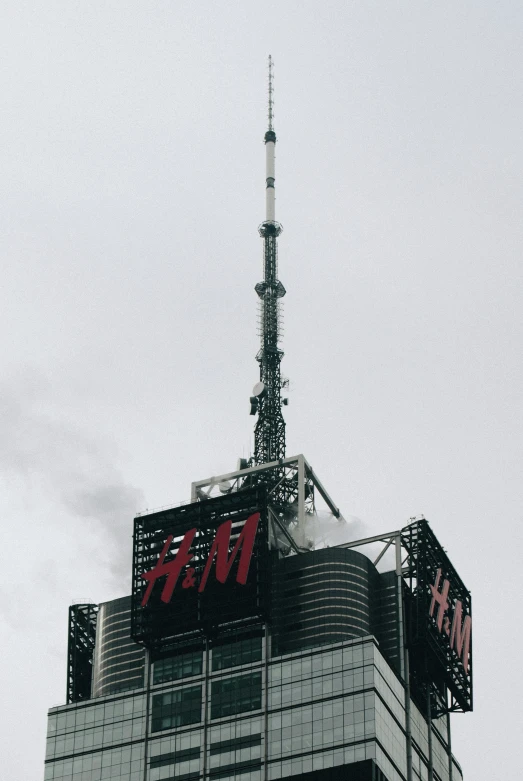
[233,711]
[118,660]
[180,666]
[97,739]
[237,694]
[177,708]
[241,651]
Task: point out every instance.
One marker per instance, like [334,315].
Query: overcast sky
[132,181]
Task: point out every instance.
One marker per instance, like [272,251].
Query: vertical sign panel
[200,567]
[439,619]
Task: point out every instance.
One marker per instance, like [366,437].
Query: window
[236,744]
[235,695]
[177,708]
[180,756]
[240,652]
[223,771]
[180,666]
[184,777]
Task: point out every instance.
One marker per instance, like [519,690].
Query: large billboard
[439,621]
[200,567]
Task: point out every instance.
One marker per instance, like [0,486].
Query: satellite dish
[259,390]
[225,487]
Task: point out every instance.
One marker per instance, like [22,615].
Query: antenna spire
[271,100]
[266,402]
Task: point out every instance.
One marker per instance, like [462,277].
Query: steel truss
[435,674]
[80,651]
[437,670]
[269,432]
[291,489]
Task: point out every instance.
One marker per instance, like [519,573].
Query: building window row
[175,667]
[240,694]
[177,708]
[246,741]
[246,650]
[237,768]
[184,755]
[229,696]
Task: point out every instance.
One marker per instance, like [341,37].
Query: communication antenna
[266,401]
[271,103]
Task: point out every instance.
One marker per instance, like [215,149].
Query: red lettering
[172,569]
[460,634]
[220,548]
[189,581]
[441,598]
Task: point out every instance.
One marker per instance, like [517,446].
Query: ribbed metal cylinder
[321,597]
[118,660]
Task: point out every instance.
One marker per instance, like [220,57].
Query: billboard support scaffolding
[437,619]
[200,568]
[80,650]
[293,479]
[434,647]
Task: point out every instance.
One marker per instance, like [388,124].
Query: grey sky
[132,159]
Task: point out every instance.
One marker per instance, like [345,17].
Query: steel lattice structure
[270,426]
[194,613]
[438,679]
[80,651]
[436,670]
[269,436]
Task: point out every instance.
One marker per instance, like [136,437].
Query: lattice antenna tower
[266,403]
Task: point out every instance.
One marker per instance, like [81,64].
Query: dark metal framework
[292,488]
[438,680]
[437,671]
[269,433]
[80,651]
[191,614]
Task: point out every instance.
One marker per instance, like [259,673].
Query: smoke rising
[324,530]
[41,451]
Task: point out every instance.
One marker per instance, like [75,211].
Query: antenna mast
[271,104]
[269,432]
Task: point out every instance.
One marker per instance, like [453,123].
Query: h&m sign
[200,567]
[457,627]
[172,569]
[439,622]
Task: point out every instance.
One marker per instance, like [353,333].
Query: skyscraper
[246,650]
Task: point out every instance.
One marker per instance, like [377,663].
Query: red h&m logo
[460,631]
[219,548]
